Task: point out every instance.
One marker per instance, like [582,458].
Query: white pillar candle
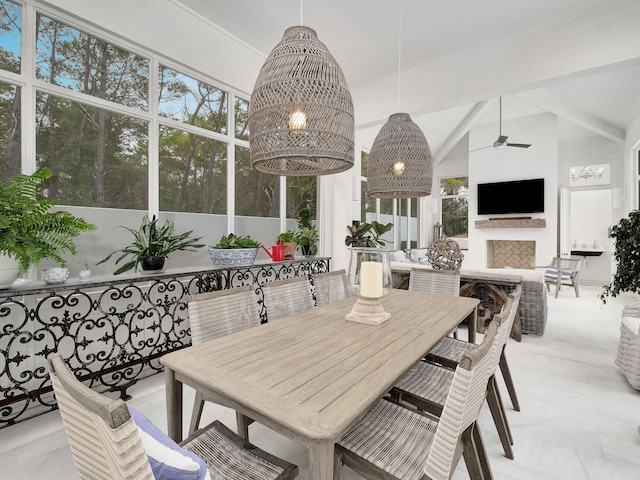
[371,279]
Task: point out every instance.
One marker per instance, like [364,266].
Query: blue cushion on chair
[168,460]
[552,273]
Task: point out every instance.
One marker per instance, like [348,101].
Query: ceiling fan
[501,141]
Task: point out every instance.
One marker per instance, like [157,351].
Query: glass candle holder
[369,280]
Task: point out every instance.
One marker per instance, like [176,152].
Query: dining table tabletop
[311,375]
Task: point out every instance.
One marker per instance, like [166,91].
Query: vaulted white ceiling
[447,61]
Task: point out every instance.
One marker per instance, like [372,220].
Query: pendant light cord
[301,24]
[399,51]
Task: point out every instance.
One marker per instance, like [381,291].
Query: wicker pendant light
[301,112]
[400,163]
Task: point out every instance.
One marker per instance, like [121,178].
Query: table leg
[174,405]
[321,460]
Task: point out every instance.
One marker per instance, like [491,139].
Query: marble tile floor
[579,417]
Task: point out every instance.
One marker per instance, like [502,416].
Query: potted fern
[151,245]
[29,231]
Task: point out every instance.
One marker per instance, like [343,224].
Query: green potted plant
[362,234]
[290,241]
[627,255]
[234,250]
[151,245]
[29,231]
[307,234]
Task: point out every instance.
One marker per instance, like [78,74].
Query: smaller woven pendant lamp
[301,112]
[400,163]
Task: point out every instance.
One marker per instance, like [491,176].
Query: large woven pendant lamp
[400,163]
[301,112]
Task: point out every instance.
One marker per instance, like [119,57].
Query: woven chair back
[103,437]
[330,287]
[435,281]
[215,314]
[286,297]
[466,396]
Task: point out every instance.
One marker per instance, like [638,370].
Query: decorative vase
[289,250]
[9,271]
[369,280]
[152,264]
[55,276]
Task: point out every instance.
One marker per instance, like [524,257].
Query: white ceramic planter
[9,271]
[232,256]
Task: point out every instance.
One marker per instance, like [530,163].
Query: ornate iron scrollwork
[111,333]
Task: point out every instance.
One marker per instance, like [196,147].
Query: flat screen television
[520,196]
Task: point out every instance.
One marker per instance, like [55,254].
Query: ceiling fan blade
[519,145]
[481,148]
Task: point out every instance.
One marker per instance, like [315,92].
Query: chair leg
[511,388]
[558,283]
[196,415]
[474,453]
[482,452]
[499,418]
[575,286]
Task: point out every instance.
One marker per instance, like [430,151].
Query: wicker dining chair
[108,444]
[449,351]
[213,315]
[286,297]
[436,281]
[330,286]
[394,441]
[426,384]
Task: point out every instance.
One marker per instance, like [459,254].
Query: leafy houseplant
[29,232]
[367,234]
[152,243]
[307,234]
[233,241]
[234,250]
[627,255]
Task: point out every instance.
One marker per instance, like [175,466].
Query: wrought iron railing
[111,332]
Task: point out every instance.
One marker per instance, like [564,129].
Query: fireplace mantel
[512,223]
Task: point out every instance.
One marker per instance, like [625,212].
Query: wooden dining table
[312,375]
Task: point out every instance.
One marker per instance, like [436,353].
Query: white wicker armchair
[628,358]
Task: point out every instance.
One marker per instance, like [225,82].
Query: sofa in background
[533,302]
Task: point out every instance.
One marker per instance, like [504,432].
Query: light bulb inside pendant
[297,118]
[398,168]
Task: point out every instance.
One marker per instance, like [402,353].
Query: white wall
[506,164]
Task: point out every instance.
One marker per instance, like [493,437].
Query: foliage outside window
[99,157]
[73,59]
[193,172]
[241,108]
[93,125]
[10,142]
[301,193]
[454,206]
[257,194]
[10,36]
[191,101]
